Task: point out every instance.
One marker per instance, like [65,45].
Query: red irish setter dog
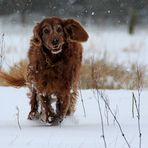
[55,57]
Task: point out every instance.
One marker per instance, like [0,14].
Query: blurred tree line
[120,11]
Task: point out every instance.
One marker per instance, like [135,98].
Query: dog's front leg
[62,108]
[33,114]
[46,107]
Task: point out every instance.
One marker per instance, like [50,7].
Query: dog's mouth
[56,50]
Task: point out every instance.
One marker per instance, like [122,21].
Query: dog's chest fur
[55,72]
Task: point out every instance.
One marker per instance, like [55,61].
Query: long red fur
[15,79]
[59,74]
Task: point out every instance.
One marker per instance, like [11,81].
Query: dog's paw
[56,120]
[33,115]
[47,116]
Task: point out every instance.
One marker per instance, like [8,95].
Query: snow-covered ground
[115,45]
[76,131]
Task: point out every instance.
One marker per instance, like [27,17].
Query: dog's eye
[45,30]
[59,29]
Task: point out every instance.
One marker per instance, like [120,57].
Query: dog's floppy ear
[36,35]
[74,31]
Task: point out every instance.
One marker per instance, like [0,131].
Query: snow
[93,13]
[115,44]
[75,131]
[108,42]
[111,43]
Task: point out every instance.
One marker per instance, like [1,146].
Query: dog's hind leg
[73,99]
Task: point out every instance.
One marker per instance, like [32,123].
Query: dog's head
[54,32]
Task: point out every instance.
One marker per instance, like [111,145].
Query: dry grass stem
[101,95]
[111,75]
[137,102]
[18,117]
[81,96]
[2,50]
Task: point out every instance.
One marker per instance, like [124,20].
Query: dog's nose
[55,41]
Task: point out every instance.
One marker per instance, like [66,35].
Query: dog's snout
[55,41]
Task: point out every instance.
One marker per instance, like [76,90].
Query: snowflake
[93,13]
[109,11]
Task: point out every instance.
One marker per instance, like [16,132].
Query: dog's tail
[16,77]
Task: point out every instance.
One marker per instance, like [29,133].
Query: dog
[54,62]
